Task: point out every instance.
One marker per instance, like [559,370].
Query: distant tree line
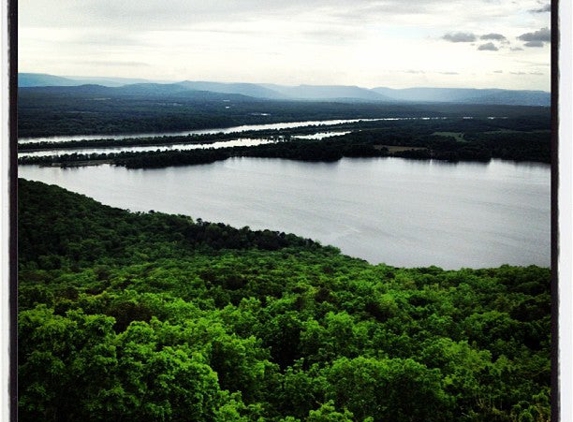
[56,111]
[415,143]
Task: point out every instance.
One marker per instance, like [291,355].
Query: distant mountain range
[43,79]
[217,90]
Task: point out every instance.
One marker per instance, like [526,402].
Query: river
[400,212]
[240,142]
[234,129]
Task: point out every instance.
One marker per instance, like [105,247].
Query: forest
[94,109]
[157,317]
[519,138]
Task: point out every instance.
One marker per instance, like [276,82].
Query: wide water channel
[401,212]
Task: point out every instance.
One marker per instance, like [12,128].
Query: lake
[400,212]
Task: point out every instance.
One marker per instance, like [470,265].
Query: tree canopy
[149,316]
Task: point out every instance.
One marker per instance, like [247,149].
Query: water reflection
[243,128]
[401,212]
[238,129]
[247,142]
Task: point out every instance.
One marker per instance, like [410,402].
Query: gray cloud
[493,36]
[534,44]
[488,47]
[460,37]
[546,8]
[448,73]
[541,36]
[518,73]
[498,71]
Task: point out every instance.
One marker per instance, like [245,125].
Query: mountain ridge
[304,92]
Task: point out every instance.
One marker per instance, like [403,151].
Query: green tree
[67,366]
[399,390]
[328,413]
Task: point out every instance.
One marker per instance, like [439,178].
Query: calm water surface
[237,129]
[400,212]
[244,142]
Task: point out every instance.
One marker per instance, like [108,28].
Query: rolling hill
[467,96]
[336,93]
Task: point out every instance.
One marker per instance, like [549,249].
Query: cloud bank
[363,42]
[537,38]
[493,36]
[460,37]
[546,8]
[488,47]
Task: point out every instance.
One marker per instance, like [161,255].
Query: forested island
[521,138]
[149,316]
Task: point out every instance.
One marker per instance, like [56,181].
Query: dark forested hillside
[143,108]
[147,316]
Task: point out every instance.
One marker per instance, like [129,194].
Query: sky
[389,43]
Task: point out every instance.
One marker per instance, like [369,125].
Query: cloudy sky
[393,43]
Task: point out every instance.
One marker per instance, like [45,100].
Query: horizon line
[173,81]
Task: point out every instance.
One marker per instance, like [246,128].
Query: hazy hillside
[251,90]
[337,93]
[329,92]
[41,79]
[140,90]
[468,96]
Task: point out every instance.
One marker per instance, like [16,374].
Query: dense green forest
[519,138]
[156,317]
